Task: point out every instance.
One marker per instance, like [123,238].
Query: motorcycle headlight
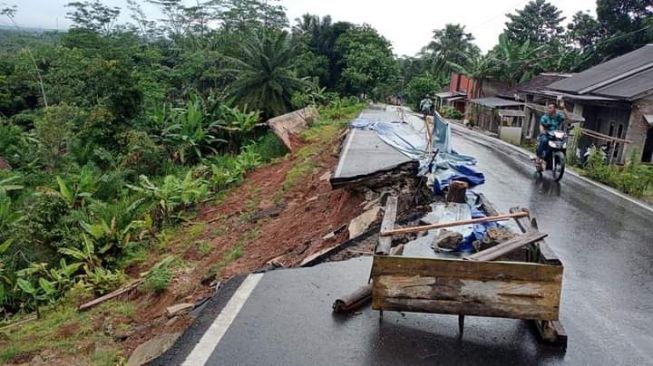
[564,145]
[552,144]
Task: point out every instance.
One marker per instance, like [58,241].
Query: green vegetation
[159,276]
[69,332]
[534,40]
[114,133]
[450,112]
[633,178]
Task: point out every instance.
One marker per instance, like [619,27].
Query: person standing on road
[425,105]
[552,120]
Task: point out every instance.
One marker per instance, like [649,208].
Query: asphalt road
[604,241]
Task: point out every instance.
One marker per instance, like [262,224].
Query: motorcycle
[554,158]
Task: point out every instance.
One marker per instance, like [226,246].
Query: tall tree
[93,15]
[243,15]
[538,22]
[262,75]
[584,30]
[626,24]
[450,44]
[369,65]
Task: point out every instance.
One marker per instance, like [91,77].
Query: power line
[514,7]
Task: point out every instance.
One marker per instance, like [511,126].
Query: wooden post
[457,192]
[418,229]
[388,223]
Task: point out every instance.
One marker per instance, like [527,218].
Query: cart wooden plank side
[527,290]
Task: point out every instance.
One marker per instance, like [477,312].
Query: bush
[158,278]
[450,112]
[634,178]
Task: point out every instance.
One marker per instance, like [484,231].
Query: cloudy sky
[407,23]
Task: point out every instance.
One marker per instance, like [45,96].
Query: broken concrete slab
[152,349]
[359,225]
[292,124]
[179,309]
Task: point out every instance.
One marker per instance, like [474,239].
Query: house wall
[608,120]
[638,127]
[460,83]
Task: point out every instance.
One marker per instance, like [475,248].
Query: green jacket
[552,123]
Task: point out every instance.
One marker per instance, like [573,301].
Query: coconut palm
[262,74]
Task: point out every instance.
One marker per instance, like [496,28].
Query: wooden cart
[527,290]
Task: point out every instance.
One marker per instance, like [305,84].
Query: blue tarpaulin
[448,164]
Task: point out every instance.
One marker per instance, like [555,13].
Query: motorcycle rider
[425,105]
[552,120]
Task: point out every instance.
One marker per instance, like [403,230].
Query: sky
[408,24]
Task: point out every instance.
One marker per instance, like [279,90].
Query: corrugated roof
[511,113]
[616,68]
[630,87]
[445,94]
[494,102]
[537,83]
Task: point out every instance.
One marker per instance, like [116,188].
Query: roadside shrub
[450,112]
[172,194]
[633,178]
[158,278]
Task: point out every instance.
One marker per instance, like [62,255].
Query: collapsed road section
[436,246]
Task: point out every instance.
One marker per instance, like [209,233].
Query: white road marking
[345,151]
[209,341]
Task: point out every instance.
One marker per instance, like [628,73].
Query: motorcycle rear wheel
[558,168]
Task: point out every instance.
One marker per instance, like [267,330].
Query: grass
[234,254]
[204,248]
[195,231]
[320,136]
[67,331]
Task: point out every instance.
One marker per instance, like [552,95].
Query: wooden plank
[507,246]
[432,267]
[488,207]
[417,229]
[551,332]
[458,308]
[110,295]
[497,289]
[388,223]
[546,254]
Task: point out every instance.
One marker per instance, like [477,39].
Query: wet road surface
[605,243]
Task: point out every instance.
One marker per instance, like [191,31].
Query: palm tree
[517,61]
[262,74]
[450,44]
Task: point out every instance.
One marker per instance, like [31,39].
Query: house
[513,113]
[456,95]
[462,89]
[615,101]
[493,113]
[531,94]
